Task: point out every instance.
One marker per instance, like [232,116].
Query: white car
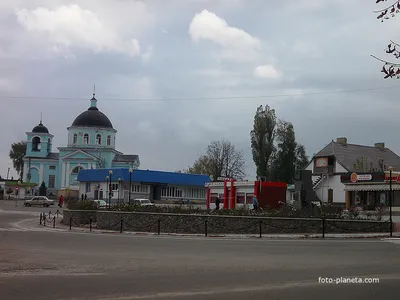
[101,204]
[39,201]
[142,202]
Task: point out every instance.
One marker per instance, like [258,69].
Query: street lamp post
[119,188]
[107,187]
[110,189]
[18,189]
[130,184]
[390,200]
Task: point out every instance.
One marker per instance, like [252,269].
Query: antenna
[41,117]
[94,90]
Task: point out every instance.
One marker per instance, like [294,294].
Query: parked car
[142,202]
[39,201]
[101,204]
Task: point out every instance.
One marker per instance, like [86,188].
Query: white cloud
[266,71]
[237,44]
[148,54]
[5,84]
[72,26]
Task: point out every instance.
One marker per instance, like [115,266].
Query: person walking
[217,203]
[61,201]
[255,204]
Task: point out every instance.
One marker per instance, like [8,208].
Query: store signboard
[321,162]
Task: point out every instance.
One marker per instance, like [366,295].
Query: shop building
[148,184]
[370,190]
[236,194]
[342,158]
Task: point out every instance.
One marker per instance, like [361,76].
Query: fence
[49,219]
[214,225]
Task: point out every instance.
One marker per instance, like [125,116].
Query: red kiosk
[235,194]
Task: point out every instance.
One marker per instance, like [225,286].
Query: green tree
[17,153]
[262,139]
[220,160]
[302,159]
[285,159]
[43,189]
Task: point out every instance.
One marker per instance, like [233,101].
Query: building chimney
[380,146]
[342,140]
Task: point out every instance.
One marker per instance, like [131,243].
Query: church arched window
[98,139]
[76,170]
[109,140]
[75,139]
[36,143]
[86,138]
[48,145]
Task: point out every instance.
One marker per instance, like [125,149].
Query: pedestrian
[83,197]
[255,203]
[217,203]
[61,201]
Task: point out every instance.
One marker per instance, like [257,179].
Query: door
[330,195]
[96,194]
[101,196]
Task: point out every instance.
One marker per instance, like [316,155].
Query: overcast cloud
[173,75]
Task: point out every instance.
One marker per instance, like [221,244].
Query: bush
[82,205]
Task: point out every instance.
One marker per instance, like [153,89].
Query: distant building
[148,184]
[91,145]
[341,158]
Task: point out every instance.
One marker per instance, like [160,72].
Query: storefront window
[240,198]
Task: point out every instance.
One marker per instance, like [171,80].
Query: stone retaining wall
[196,224]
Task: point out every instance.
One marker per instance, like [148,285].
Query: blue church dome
[92,117]
[40,128]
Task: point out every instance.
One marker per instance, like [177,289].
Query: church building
[91,145]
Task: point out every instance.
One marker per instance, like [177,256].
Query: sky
[174,75]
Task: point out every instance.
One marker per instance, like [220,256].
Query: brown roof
[347,155]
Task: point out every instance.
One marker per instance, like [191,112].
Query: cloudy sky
[173,75]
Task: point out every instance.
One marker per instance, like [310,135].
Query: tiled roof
[53,155]
[148,176]
[348,154]
[125,158]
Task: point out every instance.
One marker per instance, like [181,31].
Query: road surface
[85,266]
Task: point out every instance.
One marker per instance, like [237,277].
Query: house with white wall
[339,158]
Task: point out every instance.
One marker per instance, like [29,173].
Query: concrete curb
[65,228]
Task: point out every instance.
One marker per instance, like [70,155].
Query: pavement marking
[235,289]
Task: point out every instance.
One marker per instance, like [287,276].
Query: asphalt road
[69,265]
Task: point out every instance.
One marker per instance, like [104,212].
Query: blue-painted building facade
[149,184]
[91,145]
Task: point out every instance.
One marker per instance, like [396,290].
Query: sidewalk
[86,229]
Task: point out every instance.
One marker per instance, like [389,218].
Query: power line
[202,98]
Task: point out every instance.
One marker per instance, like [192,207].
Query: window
[138,188]
[87,187]
[75,139]
[52,167]
[197,193]
[52,181]
[249,198]
[36,143]
[86,138]
[213,197]
[98,139]
[76,170]
[240,198]
[48,145]
[109,140]
[171,191]
[114,186]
